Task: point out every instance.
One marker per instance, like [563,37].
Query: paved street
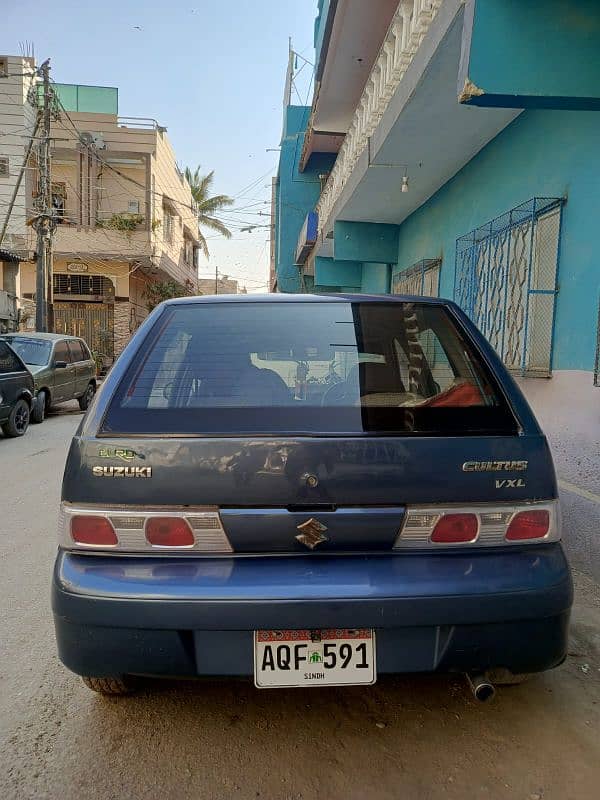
[416,738]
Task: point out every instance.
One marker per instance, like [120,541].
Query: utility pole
[45,223]
[216,279]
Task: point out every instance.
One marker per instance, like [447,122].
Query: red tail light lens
[533,524]
[169,532]
[93,530]
[455,528]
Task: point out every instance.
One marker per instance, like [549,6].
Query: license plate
[336,657]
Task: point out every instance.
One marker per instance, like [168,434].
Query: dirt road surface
[413,738]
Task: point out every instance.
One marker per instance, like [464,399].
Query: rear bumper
[187,617]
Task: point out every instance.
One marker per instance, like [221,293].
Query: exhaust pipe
[482,689]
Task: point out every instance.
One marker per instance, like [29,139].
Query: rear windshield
[315,368]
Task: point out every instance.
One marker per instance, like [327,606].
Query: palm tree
[207,206]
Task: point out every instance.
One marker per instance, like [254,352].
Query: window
[168,224]
[506,282]
[325,368]
[61,352]
[87,356]
[3,68]
[188,251]
[76,350]
[4,167]
[96,285]
[9,362]
[35,352]
[423,278]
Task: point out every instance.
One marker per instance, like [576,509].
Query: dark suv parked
[16,392]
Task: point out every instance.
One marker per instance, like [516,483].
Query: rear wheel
[18,421]
[38,412]
[110,686]
[87,397]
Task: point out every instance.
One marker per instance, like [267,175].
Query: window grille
[96,285]
[4,168]
[506,281]
[423,279]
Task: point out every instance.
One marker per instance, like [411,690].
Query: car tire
[38,412]
[18,421]
[110,686]
[87,397]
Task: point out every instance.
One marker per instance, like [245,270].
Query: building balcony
[102,241]
[405,35]
[411,131]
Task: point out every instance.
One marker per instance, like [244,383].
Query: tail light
[92,531]
[190,531]
[455,528]
[169,532]
[533,524]
[479,525]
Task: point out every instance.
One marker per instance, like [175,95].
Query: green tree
[208,207]
[158,291]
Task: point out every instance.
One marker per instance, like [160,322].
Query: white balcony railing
[407,30]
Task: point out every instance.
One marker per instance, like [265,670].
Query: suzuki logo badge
[312,533]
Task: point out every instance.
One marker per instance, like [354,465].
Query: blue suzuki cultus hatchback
[311,491]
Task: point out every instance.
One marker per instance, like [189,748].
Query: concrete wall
[320,24]
[537,54]
[544,153]
[172,185]
[17,120]
[296,195]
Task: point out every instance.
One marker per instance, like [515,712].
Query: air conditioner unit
[95,140]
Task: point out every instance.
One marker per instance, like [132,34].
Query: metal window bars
[422,278]
[506,281]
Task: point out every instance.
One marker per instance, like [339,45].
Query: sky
[212,72]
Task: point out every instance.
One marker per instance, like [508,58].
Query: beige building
[125,219]
[224,285]
[18,113]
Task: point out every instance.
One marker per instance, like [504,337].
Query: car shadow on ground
[414,732]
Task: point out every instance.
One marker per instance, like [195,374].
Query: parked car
[16,392]
[309,490]
[62,367]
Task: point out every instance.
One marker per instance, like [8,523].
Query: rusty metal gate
[93,322]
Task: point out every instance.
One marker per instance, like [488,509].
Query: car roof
[305,298]
[50,337]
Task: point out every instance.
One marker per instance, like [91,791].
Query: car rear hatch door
[333,415]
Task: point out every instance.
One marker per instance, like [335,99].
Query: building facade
[224,285]
[124,215]
[463,141]
[9,270]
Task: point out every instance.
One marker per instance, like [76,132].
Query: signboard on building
[78,267]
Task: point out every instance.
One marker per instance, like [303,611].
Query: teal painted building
[464,140]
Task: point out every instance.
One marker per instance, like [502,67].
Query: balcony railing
[143,123]
[407,30]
